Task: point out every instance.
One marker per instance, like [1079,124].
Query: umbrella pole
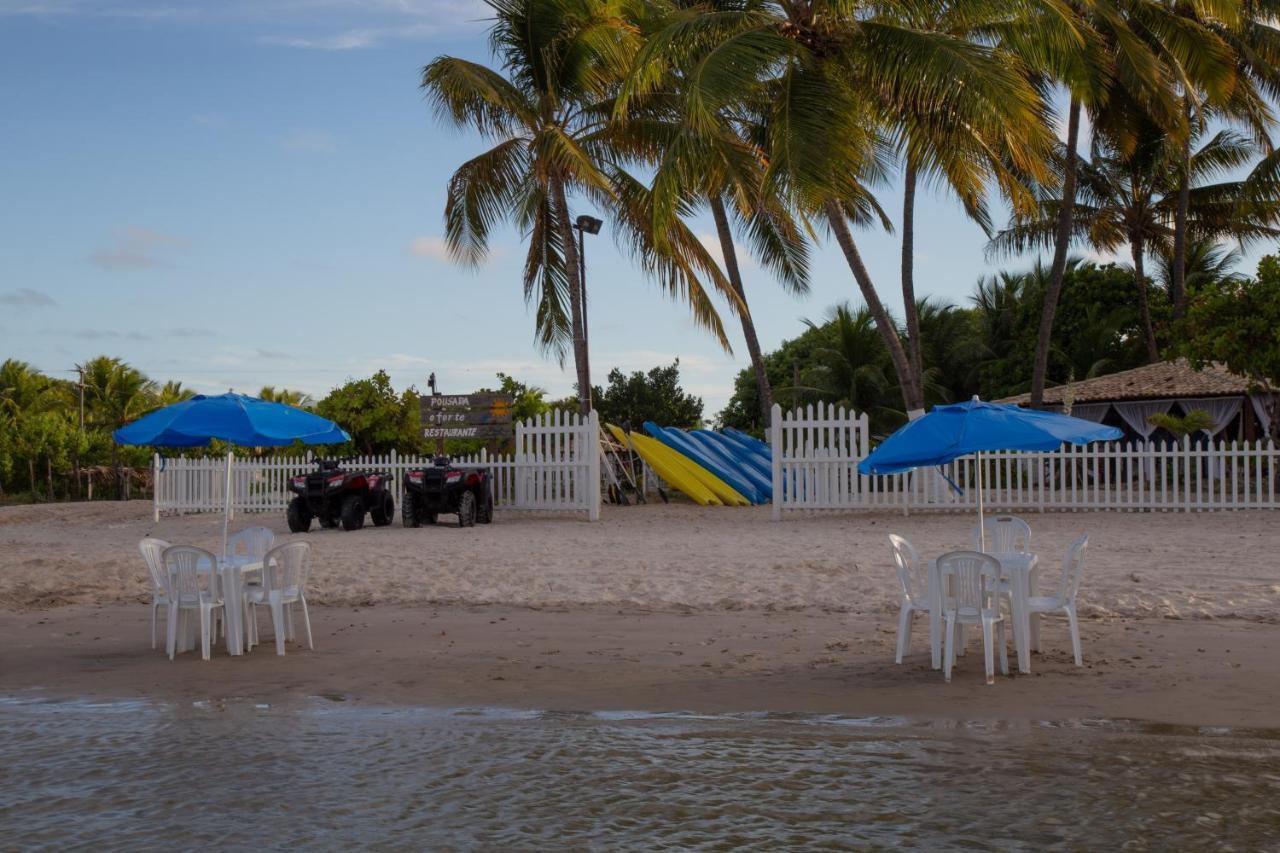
[982,525]
[226,515]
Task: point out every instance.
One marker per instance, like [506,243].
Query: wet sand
[1179,672]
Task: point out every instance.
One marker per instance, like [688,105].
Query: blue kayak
[680,442]
[746,463]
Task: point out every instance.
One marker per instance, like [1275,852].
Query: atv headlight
[335,482]
[415,476]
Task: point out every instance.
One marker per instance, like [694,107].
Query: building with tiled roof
[1128,398]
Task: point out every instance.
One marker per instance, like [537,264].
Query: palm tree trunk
[1059,268]
[1138,249]
[908,282]
[570,251]
[888,331]
[763,391]
[1178,276]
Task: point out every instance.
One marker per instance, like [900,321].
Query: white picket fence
[816,453]
[556,467]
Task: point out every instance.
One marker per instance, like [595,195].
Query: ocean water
[324,774]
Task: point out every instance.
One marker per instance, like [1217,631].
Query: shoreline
[1184,673]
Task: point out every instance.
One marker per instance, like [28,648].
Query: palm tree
[832,77]
[1246,30]
[550,117]
[1133,197]
[721,165]
[173,392]
[116,394]
[298,399]
[1207,262]
[23,389]
[853,369]
[1135,52]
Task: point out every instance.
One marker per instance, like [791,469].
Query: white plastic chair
[1006,534]
[973,580]
[153,555]
[913,578]
[1064,600]
[284,584]
[196,585]
[251,544]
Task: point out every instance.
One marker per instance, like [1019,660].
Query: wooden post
[775,456]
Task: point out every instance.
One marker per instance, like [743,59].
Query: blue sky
[243,193]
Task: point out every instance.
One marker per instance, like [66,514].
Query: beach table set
[176,571]
[1002,569]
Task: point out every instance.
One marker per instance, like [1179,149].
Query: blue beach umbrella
[951,431]
[233,418]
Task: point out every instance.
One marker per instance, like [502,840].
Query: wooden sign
[482,431]
[484,415]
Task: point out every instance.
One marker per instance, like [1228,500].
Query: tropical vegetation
[782,119]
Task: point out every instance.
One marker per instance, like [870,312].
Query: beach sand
[663,608]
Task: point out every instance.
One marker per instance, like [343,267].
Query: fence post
[775,456]
[155,487]
[592,449]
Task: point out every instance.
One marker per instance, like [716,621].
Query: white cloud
[430,247]
[209,120]
[135,247]
[25,297]
[349,40]
[309,140]
[711,243]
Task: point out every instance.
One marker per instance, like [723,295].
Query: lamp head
[589,224]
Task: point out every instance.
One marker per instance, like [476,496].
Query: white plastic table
[1020,569]
[232,571]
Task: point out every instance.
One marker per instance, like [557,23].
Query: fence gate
[557,463]
[815,458]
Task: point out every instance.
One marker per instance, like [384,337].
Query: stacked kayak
[711,468]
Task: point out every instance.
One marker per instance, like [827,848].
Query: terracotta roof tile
[1154,381]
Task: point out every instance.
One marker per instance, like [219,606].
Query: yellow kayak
[668,469]
[728,495]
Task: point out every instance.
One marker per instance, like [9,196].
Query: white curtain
[1261,402]
[1091,411]
[1222,409]
[1136,414]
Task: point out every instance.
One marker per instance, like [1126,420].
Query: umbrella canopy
[242,420]
[949,432]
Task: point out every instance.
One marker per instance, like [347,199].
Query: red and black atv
[335,495]
[444,488]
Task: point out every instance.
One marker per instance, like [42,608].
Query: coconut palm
[1132,198]
[833,78]
[23,389]
[173,392]
[1136,53]
[1207,262]
[721,166]
[114,395]
[1254,44]
[548,113]
[298,399]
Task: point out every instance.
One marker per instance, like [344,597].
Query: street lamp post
[584,225]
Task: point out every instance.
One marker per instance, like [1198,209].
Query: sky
[251,192]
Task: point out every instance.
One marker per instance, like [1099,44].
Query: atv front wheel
[409,511]
[484,514]
[467,509]
[352,513]
[299,515]
[383,511]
